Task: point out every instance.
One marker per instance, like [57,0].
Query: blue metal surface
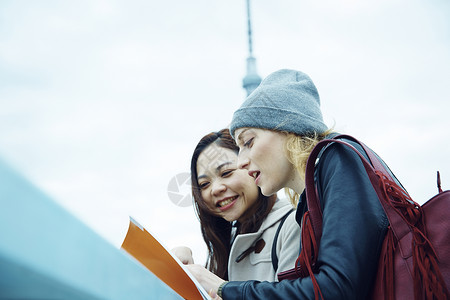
[47,253]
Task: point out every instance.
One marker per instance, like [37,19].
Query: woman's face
[228,191]
[262,153]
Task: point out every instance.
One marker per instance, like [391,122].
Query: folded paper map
[140,244]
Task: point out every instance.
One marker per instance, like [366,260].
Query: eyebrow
[240,135]
[217,169]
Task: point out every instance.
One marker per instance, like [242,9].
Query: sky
[102,102]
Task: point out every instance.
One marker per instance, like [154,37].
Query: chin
[267,193]
[230,219]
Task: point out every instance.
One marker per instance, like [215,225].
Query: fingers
[214,295]
[184,254]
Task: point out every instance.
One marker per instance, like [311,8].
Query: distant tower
[252,79]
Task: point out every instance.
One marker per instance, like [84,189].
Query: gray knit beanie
[286,100]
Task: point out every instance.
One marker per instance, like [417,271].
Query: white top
[258,266]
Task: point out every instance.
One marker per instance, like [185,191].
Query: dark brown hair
[216,231]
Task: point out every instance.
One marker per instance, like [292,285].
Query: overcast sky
[103,102]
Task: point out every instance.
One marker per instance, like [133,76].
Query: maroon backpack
[415,256]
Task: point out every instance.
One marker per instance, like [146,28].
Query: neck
[296,183]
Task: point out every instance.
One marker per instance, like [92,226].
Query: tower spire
[251,79]
[249,26]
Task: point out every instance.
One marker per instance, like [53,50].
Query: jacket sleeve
[354,226]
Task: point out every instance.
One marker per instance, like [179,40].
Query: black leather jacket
[354,227]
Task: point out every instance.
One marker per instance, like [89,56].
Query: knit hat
[286,100]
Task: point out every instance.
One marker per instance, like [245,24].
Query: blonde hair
[298,148]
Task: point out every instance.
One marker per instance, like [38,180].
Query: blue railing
[47,253]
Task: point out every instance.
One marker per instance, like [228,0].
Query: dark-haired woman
[238,222]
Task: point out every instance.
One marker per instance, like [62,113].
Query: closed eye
[203,185]
[227,173]
[248,143]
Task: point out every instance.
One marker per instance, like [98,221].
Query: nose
[243,161]
[218,188]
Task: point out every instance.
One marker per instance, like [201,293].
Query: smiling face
[262,153]
[226,190]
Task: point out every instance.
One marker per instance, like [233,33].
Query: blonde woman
[276,128]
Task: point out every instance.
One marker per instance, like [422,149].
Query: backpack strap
[275,239]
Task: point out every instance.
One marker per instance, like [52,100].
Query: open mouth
[255,174]
[226,201]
